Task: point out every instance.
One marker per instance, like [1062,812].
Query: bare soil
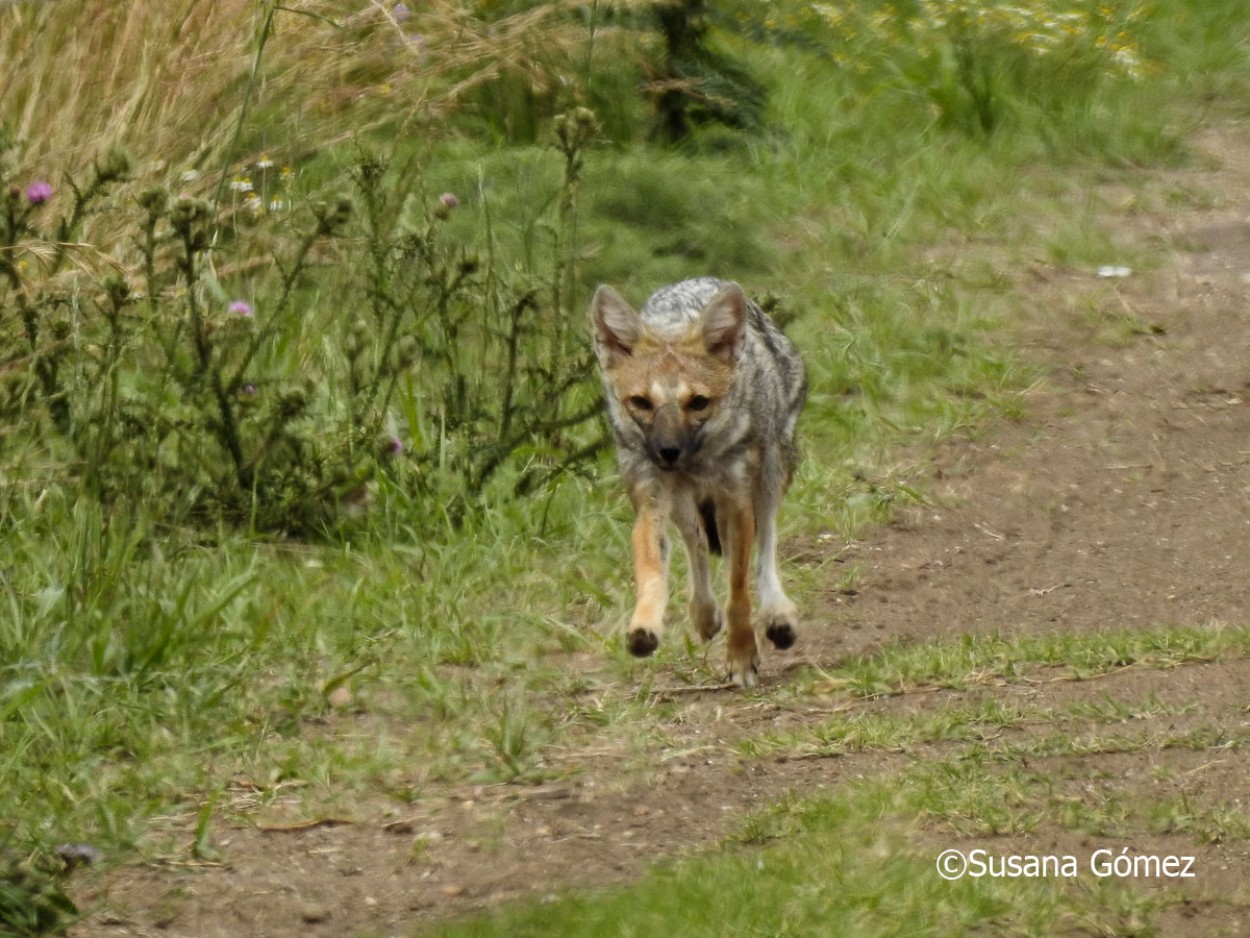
[1121,499]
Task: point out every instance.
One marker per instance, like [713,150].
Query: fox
[703,393]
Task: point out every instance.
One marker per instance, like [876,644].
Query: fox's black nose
[670,454]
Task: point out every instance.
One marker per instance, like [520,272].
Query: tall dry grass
[82,75]
[168,80]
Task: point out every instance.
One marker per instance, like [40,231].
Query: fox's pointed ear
[723,321]
[617,327]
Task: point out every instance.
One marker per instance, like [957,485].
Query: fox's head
[666,382]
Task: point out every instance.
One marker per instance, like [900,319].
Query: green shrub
[180,373]
[978,66]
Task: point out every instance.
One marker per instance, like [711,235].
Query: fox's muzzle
[671,444]
[666,457]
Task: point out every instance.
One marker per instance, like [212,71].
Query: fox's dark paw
[641,642]
[780,622]
[781,634]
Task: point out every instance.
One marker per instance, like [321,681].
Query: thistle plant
[33,321]
[503,375]
[165,374]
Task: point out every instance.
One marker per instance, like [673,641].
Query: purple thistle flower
[449,200]
[400,12]
[241,308]
[38,192]
[396,446]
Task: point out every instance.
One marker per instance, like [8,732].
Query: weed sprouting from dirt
[32,901]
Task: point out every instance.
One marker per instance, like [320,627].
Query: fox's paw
[708,622]
[781,634]
[746,675]
[781,626]
[641,642]
[744,663]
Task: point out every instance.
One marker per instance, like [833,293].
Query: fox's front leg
[646,626]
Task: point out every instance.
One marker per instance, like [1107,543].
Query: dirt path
[1122,499]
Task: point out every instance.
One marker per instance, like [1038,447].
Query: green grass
[946,669]
[972,660]
[863,859]
[976,773]
[146,661]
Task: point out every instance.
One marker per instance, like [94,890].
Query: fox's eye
[698,402]
[639,402]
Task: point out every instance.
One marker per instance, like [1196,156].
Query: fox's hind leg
[744,656]
[778,614]
[691,522]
